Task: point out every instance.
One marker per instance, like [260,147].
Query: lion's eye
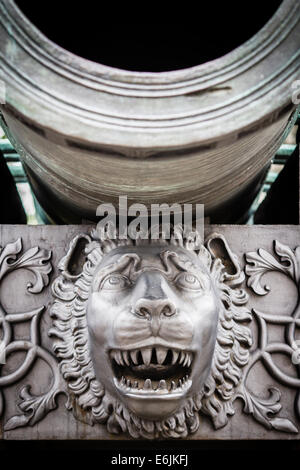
[114,282]
[188,281]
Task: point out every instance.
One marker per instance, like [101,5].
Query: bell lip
[148,79]
[115,120]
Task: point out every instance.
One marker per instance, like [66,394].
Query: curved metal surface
[88,133]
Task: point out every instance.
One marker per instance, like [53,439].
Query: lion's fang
[185,363]
[133,355]
[125,357]
[175,356]
[182,357]
[119,358]
[146,355]
[161,355]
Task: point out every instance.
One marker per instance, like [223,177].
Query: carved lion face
[150,334]
[152,318]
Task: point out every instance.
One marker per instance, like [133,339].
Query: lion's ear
[218,248]
[71,265]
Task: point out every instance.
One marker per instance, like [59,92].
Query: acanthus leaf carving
[262,410]
[259,263]
[33,408]
[35,260]
[284,425]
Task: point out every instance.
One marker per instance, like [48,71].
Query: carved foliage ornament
[147,334]
[264,410]
[37,261]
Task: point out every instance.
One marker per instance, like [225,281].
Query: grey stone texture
[273,302]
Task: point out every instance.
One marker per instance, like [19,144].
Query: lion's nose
[153,310]
[156,307]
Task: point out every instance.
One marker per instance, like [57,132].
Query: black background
[149,36]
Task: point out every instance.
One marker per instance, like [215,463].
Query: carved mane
[71,346]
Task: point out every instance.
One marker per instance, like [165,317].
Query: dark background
[146,37]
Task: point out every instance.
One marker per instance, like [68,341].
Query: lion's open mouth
[156,369]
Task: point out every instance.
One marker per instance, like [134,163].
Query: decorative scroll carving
[259,263]
[34,408]
[148,334]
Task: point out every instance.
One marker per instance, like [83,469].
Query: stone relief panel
[37,261]
[149,339]
[287,262]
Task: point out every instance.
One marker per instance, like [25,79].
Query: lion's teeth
[119,358]
[162,385]
[146,354]
[161,355]
[114,355]
[186,360]
[175,356]
[189,360]
[125,357]
[133,355]
[182,357]
[148,384]
[128,358]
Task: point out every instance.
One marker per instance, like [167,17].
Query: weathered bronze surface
[88,133]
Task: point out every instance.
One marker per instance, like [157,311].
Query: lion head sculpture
[151,332]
